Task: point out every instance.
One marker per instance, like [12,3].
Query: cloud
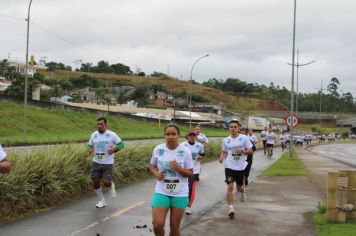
[250,40]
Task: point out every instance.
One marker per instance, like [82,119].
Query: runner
[283,140]
[5,164]
[197,151]
[171,164]
[103,144]
[270,137]
[234,150]
[254,141]
[264,140]
[200,136]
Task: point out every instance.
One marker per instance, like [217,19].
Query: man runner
[270,137]
[264,140]
[234,151]
[103,144]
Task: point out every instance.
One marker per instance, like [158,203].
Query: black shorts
[234,176]
[101,171]
[269,145]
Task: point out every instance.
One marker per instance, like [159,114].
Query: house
[87,95]
[4,84]
[162,99]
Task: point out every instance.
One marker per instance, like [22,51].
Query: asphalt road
[344,153]
[130,212]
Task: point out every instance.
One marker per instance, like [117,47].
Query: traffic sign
[288,121]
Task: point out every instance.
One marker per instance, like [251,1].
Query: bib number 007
[172,187]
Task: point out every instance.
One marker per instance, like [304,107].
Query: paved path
[275,205]
[130,209]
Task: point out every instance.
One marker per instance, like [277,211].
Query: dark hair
[171,125]
[102,118]
[234,121]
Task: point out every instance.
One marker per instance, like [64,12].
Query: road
[130,212]
[344,153]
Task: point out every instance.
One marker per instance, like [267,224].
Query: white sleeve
[247,143]
[201,150]
[154,157]
[91,142]
[116,139]
[206,139]
[188,163]
[224,148]
[2,154]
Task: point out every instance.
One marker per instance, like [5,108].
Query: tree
[332,89]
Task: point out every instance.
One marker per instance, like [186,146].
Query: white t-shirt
[263,135]
[202,138]
[196,149]
[101,144]
[283,138]
[270,136]
[233,160]
[2,153]
[253,138]
[161,156]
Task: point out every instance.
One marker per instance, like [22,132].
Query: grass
[325,228]
[286,166]
[47,177]
[60,126]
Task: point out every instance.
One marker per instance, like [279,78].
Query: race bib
[100,156]
[172,186]
[235,156]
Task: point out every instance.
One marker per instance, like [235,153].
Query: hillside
[176,86]
[52,126]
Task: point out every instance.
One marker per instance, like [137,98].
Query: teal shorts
[161,200]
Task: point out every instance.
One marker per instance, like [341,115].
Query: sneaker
[112,191]
[101,204]
[231,213]
[243,197]
[188,211]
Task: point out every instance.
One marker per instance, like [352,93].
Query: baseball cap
[191,132]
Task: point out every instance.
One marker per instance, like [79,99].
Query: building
[4,84]
[162,99]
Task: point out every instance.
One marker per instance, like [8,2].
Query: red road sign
[288,121]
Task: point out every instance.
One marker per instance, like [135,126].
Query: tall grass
[47,177]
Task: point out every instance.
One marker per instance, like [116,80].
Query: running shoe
[188,211]
[231,213]
[112,190]
[101,204]
[243,197]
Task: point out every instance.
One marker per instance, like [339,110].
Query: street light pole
[26,69]
[298,65]
[292,84]
[190,88]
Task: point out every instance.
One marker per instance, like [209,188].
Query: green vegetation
[53,126]
[325,228]
[47,177]
[285,166]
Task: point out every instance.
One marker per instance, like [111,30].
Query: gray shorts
[101,171]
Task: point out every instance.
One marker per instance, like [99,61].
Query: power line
[54,34]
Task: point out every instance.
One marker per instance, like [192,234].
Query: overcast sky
[250,40]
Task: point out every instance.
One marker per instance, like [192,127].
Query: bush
[47,177]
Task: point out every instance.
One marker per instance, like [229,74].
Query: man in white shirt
[103,144]
[5,164]
[234,152]
[264,140]
[270,137]
[200,136]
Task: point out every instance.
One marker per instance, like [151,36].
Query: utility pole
[292,83]
[321,93]
[298,65]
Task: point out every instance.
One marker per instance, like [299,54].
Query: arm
[159,175]
[5,166]
[115,148]
[222,157]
